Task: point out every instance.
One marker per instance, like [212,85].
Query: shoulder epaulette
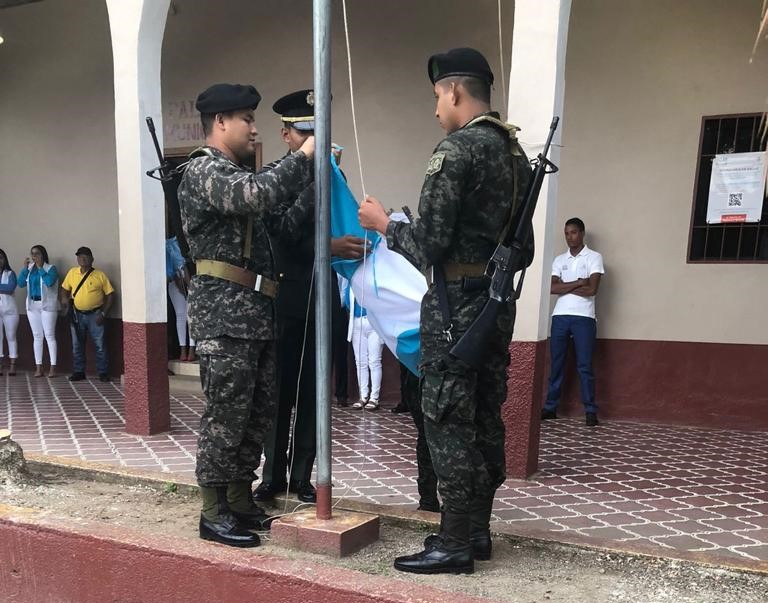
[511,129]
[200,152]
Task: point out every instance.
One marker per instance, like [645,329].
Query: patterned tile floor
[671,487]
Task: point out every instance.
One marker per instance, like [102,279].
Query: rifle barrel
[153,133]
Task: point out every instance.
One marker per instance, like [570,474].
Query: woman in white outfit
[178,283]
[368,347]
[9,313]
[41,280]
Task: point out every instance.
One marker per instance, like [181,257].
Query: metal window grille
[727,243]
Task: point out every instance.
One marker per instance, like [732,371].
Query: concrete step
[185,384]
[185,369]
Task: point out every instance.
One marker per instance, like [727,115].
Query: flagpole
[321,17]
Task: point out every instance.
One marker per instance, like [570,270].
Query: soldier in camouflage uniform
[231,310]
[474,182]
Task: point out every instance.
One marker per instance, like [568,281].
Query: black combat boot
[451,552]
[218,524]
[250,515]
[434,539]
[480,529]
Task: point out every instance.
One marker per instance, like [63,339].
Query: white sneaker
[373,404]
[359,404]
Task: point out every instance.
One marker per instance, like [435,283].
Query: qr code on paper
[734,199]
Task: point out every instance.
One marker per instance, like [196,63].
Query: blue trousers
[583,330]
[86,324]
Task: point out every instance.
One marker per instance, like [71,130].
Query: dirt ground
[521,571]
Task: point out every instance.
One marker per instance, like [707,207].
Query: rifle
[508,259]
[170,177]
[164,172]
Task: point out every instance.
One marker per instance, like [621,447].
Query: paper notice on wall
[737,188]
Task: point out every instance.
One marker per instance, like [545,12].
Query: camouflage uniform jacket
[216,197]
[475,179]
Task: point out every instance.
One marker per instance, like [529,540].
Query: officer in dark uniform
[231,303]
[292,232]
[474,181]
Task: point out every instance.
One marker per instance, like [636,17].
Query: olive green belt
[236,274]
[455,271]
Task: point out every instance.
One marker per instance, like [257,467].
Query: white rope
[360,473]
[352,96]
[501,62]
[298,385]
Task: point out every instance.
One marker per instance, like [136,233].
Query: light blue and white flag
[387,285]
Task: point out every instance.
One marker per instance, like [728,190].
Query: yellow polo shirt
[93,291]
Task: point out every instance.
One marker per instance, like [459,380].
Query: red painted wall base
[46,559]
[718,385]
[147,406]
[113,334]
[521,410]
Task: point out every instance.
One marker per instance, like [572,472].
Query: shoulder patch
[435,163]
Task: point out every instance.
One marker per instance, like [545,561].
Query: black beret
[221,98]
[84,251]
[459,62]
[297,109]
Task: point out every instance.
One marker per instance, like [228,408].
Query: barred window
[735,242]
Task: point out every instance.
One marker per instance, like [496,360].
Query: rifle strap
[516,153]
[513,211]
[438,277]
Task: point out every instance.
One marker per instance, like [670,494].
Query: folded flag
[387,285]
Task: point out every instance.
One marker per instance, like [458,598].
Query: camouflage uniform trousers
[238,378]
[462,414]
[426,480]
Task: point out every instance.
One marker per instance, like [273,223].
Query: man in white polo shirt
[575,280]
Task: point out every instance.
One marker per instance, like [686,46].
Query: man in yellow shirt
[88,295]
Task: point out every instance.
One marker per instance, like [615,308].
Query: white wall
[57,165]
[639,77]
[57,142]
[269,44]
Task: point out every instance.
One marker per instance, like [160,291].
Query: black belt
[36,298]
[88,311]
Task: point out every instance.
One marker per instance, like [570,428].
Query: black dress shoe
[76,377]
[104,378]
[437,560]
[399,408]
[548,414]
[304,491]
[227,530]
[342,402]
[591,419]
[267,491]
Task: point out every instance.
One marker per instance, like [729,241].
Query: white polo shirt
[569,268]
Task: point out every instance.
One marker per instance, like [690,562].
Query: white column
[537,80]
[137,28]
